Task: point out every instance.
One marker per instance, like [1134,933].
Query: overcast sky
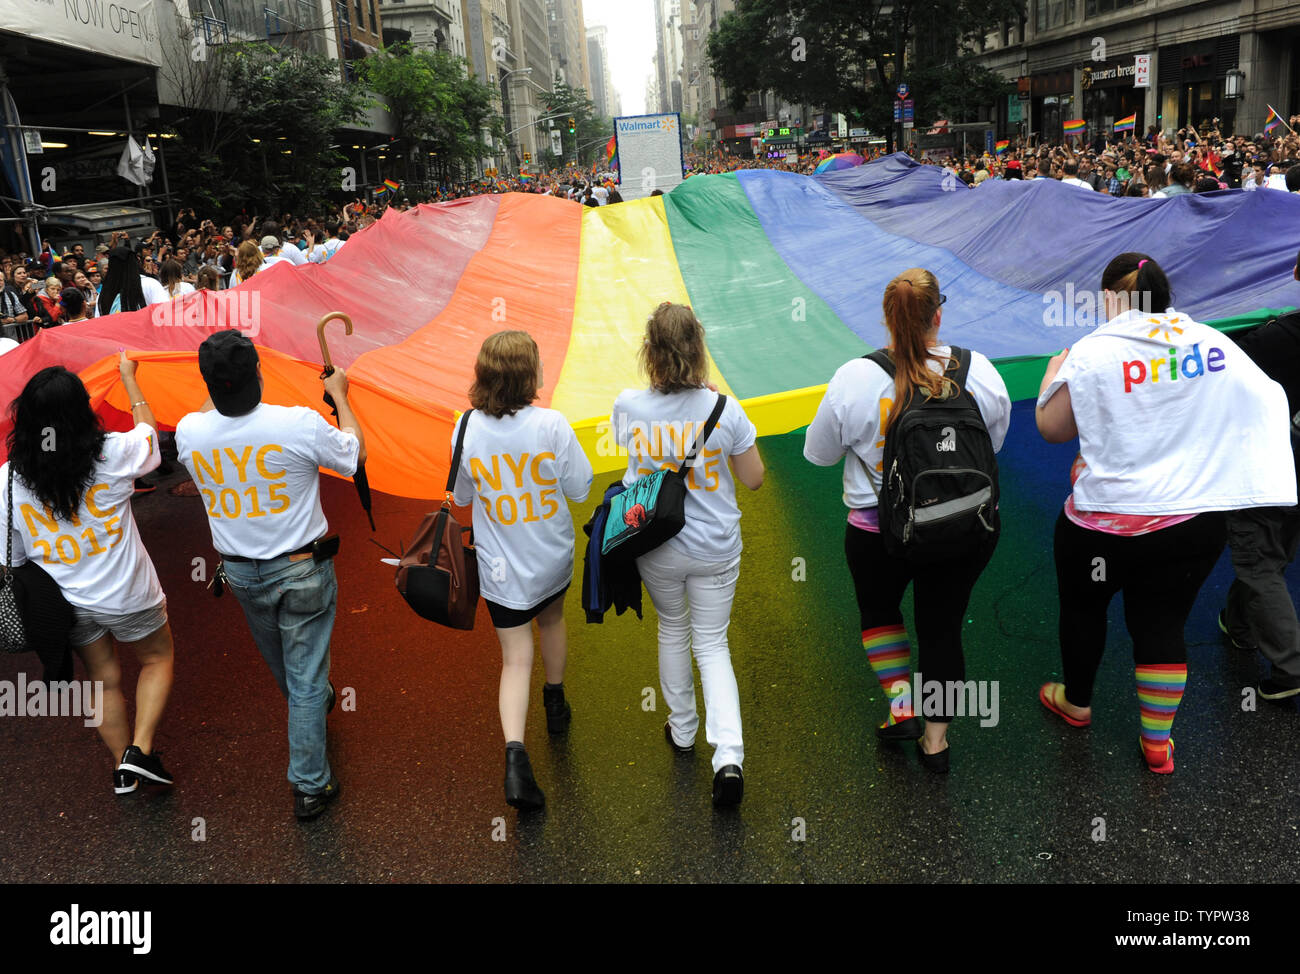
[631,41]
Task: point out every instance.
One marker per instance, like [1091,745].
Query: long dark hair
[1141,282]
[56,440]
[123,278]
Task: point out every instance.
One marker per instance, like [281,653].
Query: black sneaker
[1278,689]
[143,486]
[333,698]
[1223,627]
[668,733]
[307,806]
[558,711]
[147,766]
[124,782]
[728,786]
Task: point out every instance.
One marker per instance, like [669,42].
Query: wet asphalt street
[420,758]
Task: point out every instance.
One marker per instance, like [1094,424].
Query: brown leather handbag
[438,574]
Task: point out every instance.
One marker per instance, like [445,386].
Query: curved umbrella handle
[320,333]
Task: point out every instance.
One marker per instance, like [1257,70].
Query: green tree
[258,128]
[441,111]
[593,131]
[850,57]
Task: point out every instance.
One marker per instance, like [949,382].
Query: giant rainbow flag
[785,271]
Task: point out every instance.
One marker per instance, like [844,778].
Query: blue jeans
[290,609]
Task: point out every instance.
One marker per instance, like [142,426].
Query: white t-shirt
[1072,181]
[182,288]
[517,470]
[657,430]
[324,251]
[857,402]
[1211,433]
[154,292]
[292,254]
[98,560]
[258,476]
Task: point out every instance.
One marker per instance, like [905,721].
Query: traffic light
[573,126]
[528,157]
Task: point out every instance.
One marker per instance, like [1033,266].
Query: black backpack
[939,483]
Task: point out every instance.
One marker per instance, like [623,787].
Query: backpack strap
[962,356]
[704,435]
[456,454]
[882,358]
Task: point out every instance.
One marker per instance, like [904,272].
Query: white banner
[649,154]
[1142,71]
[126,29]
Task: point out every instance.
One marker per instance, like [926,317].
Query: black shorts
[504,617]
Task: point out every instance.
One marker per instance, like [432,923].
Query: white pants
[693,597]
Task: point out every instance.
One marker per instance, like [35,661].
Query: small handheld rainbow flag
[1127,124]
[393,185]
[1001,146]
[380,191]
[1073,125]
[1272,120]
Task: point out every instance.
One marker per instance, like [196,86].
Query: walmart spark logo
[1165,325]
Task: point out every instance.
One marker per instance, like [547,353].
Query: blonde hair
[911,301]
[505,374]
[248,258]
[673,356]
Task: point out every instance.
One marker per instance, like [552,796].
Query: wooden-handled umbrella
[359,478]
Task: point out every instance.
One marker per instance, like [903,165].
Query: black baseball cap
[228,361]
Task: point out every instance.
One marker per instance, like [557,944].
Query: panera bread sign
[120,28]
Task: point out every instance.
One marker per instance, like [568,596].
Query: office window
[1050,14]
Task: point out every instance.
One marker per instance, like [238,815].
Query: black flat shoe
[558,711]
[905,730]
[728,786]
[668,734]
[521,788]
[938,763]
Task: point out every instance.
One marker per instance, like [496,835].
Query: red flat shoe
[1168,766]
[1048,700]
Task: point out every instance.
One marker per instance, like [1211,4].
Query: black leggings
[1160,575]
[940,595]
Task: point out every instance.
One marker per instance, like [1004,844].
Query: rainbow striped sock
[890,656]
[1160,689]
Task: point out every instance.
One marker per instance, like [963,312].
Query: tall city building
[568,36]
[668,54]
[1203,61]
[429,24]
[602,88]
[532,83]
